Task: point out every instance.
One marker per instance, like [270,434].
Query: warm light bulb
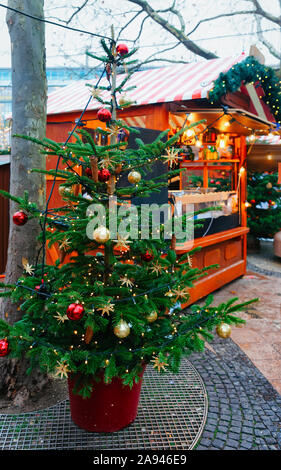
[190,133]
[269,157]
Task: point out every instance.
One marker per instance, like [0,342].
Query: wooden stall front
[213,155]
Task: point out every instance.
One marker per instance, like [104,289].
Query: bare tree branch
[141,28]
[265,14]
[222,15]
[127,24]
[78,9]
[178,34]
[275,52]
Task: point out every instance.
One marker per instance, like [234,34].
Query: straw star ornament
[126,281]
[122,242]
[172,155]
[106,309]
[157,268]
[62,370]
[158,364]
[29,269]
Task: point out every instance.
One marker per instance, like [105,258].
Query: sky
[225,37]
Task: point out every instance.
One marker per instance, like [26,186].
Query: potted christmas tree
[112,303]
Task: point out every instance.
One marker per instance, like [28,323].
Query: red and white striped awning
[166,84]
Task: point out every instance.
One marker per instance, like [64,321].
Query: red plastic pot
[110,408]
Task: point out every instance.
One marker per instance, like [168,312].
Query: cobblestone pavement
[244,409]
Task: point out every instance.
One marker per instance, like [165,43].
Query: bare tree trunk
[29,118]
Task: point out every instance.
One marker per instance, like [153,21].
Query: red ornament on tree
[75,312]
[20,218]
[147,256]
[103,175]
[122,49]
[88,172]
[253,201]
[104,115]
[4,347]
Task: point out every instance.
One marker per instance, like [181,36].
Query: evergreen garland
[250,71]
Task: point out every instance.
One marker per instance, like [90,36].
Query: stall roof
[166,84]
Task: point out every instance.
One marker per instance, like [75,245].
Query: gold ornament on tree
[134,177]
[151,317]
[122,329]
[125,101]
[223,330]
[101,234]
[64,190]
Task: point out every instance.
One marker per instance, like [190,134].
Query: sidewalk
[242,374]
[260,338]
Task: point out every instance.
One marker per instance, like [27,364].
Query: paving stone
[218,443]
[247,429]
[247,437]
[240,415]
[246,445]
[222,436]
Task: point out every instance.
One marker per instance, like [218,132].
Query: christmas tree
[264,204]
[112,302]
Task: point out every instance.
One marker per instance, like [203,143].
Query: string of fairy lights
[108,353]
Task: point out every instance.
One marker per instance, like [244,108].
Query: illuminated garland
[250,71]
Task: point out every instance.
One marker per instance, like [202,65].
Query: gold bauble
[122,329]
[134,177]
[269,185]
[152,317]
[101,234]
[125,101]
[63,190]
[223,330]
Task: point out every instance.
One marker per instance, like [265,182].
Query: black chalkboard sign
[157,169]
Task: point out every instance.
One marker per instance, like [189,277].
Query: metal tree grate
[172,414]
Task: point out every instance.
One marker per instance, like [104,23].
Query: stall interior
[211,156]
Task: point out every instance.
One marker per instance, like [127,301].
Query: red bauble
[103,175]
[252,201]
[75,312]
[4,347]
[20,218]
[104,115]
[147,256]
[122,49]
[88,172]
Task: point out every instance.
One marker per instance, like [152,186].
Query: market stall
[212,155]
